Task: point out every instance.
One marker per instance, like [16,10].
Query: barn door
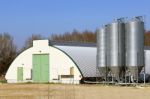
[40,68]
[20,73]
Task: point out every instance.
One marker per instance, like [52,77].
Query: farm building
[53,62]
[60,62]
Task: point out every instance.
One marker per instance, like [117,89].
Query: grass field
[62,91]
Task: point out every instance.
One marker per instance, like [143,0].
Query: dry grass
[62,91]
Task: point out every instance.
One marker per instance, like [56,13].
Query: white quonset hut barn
[60,62]
[53,62]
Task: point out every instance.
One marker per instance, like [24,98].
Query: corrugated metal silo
[116,48]
[135,46]
[101,51]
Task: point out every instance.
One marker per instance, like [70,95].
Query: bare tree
[85,36]
[8,52]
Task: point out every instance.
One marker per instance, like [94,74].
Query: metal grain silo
[135,46]
[101,51]
[116,48]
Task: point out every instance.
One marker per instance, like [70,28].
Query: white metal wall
[147,61]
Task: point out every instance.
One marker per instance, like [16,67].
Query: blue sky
[22,18]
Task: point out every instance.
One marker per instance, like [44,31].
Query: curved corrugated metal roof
[84,57]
